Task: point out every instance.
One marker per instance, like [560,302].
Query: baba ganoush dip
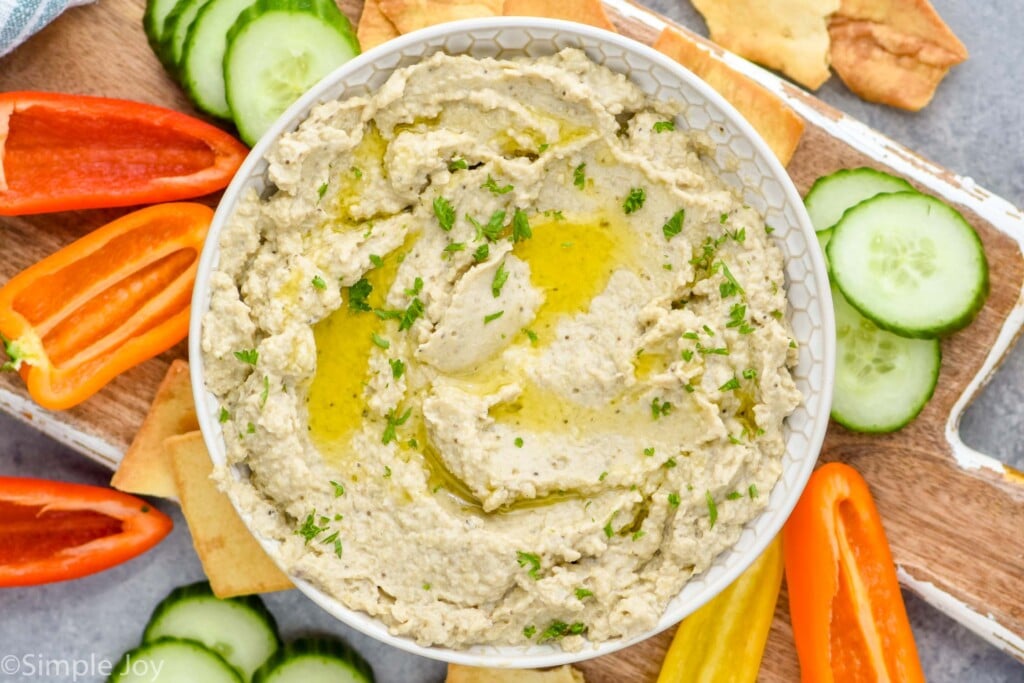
[504,360]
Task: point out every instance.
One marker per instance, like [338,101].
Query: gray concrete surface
[75,631]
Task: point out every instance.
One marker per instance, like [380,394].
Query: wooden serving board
[954,517]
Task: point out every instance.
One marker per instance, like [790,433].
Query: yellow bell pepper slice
[724,640]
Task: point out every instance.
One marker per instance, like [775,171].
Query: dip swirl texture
[506,361]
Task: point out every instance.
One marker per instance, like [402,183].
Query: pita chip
[581,11]
[410,15]
[144,469]
[893,51]
[374,27]
[790,36]
[468,674]
[777,124]
[233,561]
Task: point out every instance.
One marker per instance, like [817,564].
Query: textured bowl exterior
[742,159]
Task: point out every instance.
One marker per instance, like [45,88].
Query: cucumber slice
[276,51]
[202,58]
[315,660]
[153,20]
[833,194]
[176,28]
[241,630]
[882,380]
[173,660]
[910,263]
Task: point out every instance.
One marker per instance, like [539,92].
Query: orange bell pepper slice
[67,152]
[54,531]
[849,621]
[103,304]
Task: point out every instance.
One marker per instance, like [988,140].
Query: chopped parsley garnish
[721,351]
[266,391]
[708,331]
[380,341]
[649,452]
[426,586]
[531,335]
[492,230]
[454,247]
[543,147]
[414,311]
[690,335]
[560,629]
[309,529]
[529,631]
[387,472]
[583,593]
[376,260]
[687,355]
[777,315]
[321,191]
[603,476]
[357,172]
[608,531]
[520,226]
[224,415]
[249,356]
[739,235]
[731,286]
[638,534]
[393,424]
[736,315]
[518,442]
[673,499]
[735,439]
[482,252]
[731,385]
[417,287]
[457,164]
[750,373]
[634,200]
[660,408]
[445,213]
[532,559]
[712,509]
[493,316]
[752,491]
[250,428]
[688,388]
[673,226]
[669,464]
[557,215]
[768,229]
[330,539]
[662,126]
[500,276]
[339,489]
[397,367]
[579,176]
[735,495]
[318,282]
[723,218]
[358,293]
[492,185]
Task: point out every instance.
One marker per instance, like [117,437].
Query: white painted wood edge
[50,424]
[985,626]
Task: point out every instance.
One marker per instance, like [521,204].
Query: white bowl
[742,158]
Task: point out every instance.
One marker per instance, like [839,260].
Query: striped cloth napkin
[19,19]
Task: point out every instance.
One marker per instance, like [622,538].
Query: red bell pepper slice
[849,621]
[68,152]
[54,531]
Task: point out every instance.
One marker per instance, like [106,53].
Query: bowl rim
[533,656]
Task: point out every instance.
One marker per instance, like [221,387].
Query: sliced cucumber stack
[905,269]
[202,59]
[241,630]
[173,660]
[176,27]
[833,194]
[910,263]
[882,380]
[315,660]
[278,49]
[153,20]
